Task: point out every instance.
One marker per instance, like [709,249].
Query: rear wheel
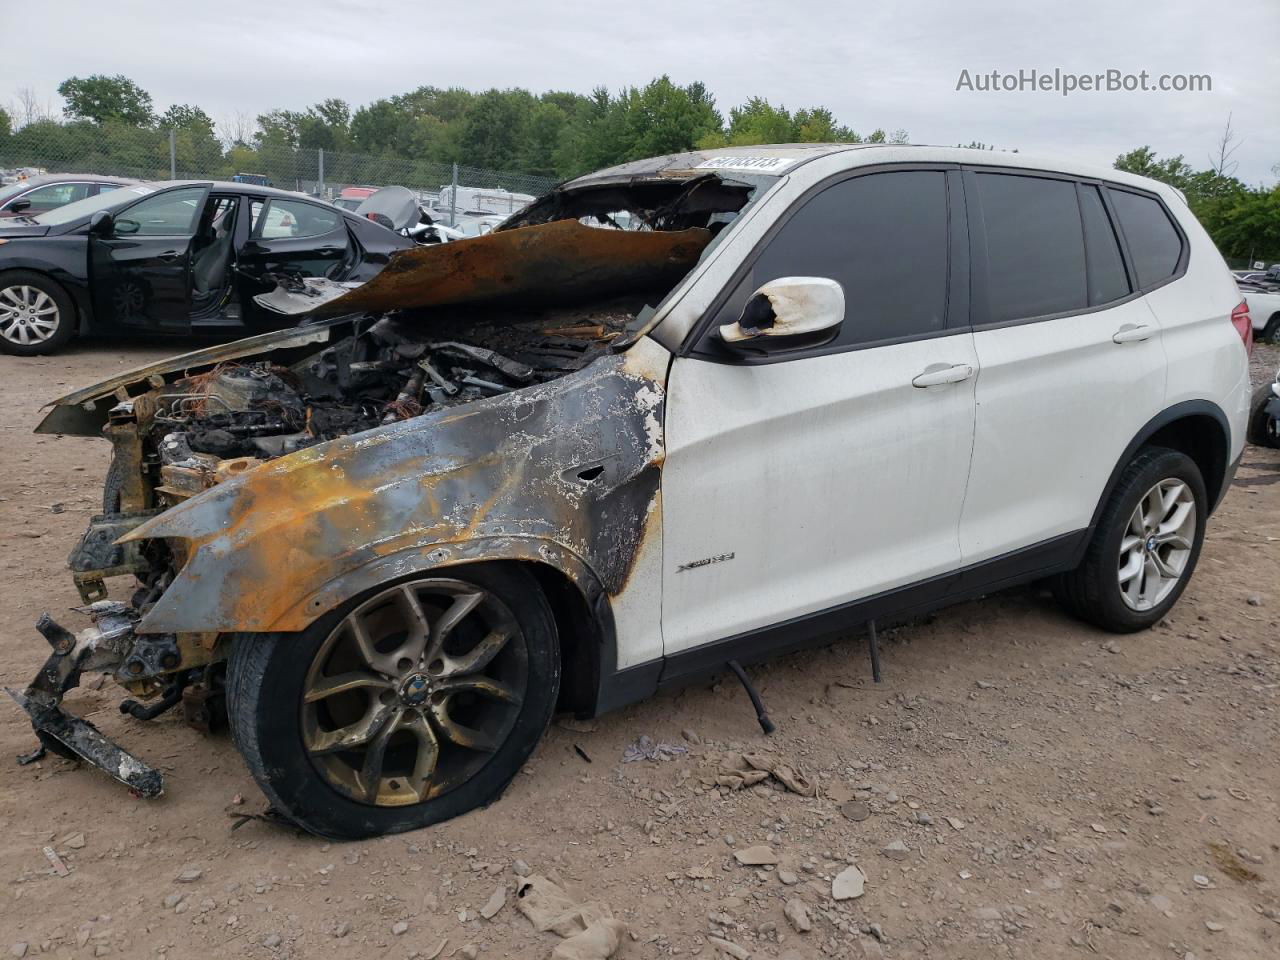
[1271,330]
[36,314]
[416,703]
[1145,546]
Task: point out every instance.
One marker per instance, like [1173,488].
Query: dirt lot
[1059,792]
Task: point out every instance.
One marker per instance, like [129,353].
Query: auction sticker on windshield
[767,164]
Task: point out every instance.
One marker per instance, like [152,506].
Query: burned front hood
[82,412]
[565,473]
[562,262]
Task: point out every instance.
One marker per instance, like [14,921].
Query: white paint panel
[828,479]
[1058,401]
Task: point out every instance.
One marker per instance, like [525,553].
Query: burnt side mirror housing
[101,224]
[788,312]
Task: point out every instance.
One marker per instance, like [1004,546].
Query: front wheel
[413,704]
[1145,546]
[36,314]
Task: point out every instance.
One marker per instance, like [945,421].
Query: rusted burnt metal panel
[559,262]
[566,472]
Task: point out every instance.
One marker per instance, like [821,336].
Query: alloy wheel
[28,315]
[413,691]
[1157,544]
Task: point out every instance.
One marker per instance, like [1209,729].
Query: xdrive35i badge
[695,564]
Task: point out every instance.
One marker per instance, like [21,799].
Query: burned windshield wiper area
[656,204]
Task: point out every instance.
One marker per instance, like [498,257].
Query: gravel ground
[1020,785]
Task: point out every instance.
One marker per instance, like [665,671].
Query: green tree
[100,98]
[1142,161]
[186,117]
[6,125]
[494,127]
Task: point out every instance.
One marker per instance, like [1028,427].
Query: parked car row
[175,257]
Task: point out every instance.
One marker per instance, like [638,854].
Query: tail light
[1243,323]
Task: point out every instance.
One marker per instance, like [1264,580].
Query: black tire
[1092,591]
[1271,330]
[1263,430]
[267,676]
[112,486]
[10,333]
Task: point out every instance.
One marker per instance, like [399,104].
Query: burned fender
[564,473]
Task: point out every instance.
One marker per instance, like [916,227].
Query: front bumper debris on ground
[95,648]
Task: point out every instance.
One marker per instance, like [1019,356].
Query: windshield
[104,201]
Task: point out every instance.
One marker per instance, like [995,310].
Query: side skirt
[1057,555]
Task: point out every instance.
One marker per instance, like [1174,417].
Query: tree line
[557,134]
[1243,221]
[110,123]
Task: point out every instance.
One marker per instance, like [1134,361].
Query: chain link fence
[160,154]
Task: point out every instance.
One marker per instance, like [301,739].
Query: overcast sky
[874,65]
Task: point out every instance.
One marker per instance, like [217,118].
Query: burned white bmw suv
[676,415]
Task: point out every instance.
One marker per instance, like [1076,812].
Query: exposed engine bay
[236,415]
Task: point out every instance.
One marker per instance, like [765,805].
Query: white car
[1264,311]
[559,467]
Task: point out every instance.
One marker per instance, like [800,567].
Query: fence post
[320,179]
[453,199]
[173,154]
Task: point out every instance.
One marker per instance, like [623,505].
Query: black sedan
[37,195]
[179,257]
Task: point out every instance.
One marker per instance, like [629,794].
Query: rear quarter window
[1155,246]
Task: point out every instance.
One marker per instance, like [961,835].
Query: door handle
[1132,333]
[937,374]
[168,257]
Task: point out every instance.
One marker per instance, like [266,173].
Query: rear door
[1071,357]
[141,273]
[289,235]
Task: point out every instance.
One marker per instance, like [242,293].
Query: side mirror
[101,224]
[789,312]
[122,228]
[19,205]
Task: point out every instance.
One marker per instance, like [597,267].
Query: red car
[36,195]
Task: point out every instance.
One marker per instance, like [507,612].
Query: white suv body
[881,379]
[831,479]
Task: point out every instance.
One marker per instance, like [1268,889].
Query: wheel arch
[1198,428]
[575,593]
[50,273]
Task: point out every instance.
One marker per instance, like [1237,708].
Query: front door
[799,481]
[141,273]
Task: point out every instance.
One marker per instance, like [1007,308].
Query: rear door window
[1107,279]
[883,237]
[295,219]
[1035,246]
[1155,245]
